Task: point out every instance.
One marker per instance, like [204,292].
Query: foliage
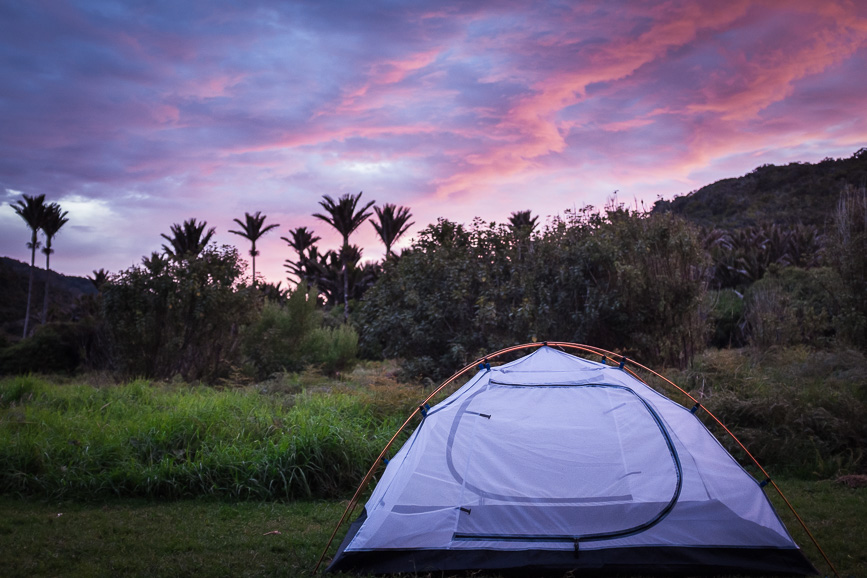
[790,306]
[52,348]
[794,193]
[618,280]
[252,230]
[742,256]
[798,410]
[178,317]
[847,248]
[289,335]
[187,241]
[392,222]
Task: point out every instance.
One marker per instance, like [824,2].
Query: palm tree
[99,279]
[522,222]
[187,241]
[32,210]
[392,224]
[54,220]
[522,225]
[302,241]
[252,230]
[345,218]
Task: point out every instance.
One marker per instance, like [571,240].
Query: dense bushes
[193,318]
[291,334]
[623,280]
[177,317]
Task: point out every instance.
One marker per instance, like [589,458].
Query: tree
[303,241]
[32,210]
[392,224]
[187,241]
[54,219]
[99,278]
[345,218]
[252,230]
[522,221]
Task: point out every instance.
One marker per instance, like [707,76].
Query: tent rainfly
[555,462]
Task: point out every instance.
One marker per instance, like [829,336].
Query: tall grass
[799,411]
[158,440]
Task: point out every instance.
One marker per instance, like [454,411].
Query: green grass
[275,440]
[204,538]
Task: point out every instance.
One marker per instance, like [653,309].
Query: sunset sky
[137,115]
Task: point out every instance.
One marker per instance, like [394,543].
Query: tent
[553,461]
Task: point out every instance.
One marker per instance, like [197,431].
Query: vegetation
[280,439]
[32,210]
[345,216]
[797,193]
[251,229]
[459,292]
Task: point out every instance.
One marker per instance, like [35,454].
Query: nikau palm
[187,241]
[32,210]
[54,219]
[345,218]
[252,230]
[392,224]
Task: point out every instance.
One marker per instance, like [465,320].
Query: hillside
[794,193]
[14,276]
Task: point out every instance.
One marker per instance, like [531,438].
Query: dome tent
[556,462]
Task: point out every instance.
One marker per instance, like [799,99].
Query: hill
[14,277]
[788,194]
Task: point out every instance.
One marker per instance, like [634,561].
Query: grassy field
[172,479]
[136,537]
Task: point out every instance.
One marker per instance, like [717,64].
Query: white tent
[556,462]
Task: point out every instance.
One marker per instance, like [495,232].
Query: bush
[289,335]
[53,348]
[792,306]
[181,317]
[619,280]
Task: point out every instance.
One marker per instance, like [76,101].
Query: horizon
[136,118]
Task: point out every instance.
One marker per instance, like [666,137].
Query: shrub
[624,280]
[53,348]
[180,317]
[289,335]
[792,306]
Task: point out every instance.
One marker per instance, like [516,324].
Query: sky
[137,115]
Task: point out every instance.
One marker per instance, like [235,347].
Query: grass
[292,437]
[218,538]
[172,479]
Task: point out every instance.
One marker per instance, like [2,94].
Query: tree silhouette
[522,222]
[99,279]
[32,210]
[392,224]
[187,241]
[304,243]
[345,218]
[252,230]
[54,219]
